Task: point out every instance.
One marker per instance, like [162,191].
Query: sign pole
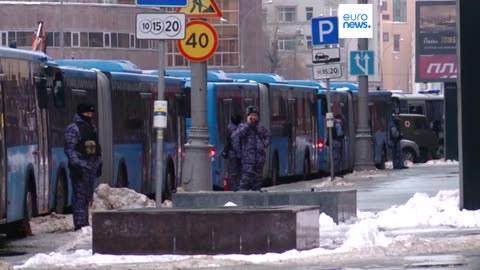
[363,139]
[160,97]
[330,125]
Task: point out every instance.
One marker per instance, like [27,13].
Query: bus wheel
[306,168]
[122,177]
[61,194]
[275,171]
[22,228]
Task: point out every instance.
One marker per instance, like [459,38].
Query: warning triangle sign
[201,9]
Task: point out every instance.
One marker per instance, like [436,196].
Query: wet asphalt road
[374,193]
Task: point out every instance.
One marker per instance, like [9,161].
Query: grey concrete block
[340,204]
[205,231]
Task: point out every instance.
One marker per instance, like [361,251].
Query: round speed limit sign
[200,41]
[160,26]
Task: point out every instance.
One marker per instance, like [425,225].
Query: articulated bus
[290,113]
[341,104]
[128,124]
[287,111]
[345,102]
[38,99]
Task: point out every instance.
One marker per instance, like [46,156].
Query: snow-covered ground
[394,231]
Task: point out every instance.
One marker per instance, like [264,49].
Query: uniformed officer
[84,161]
[249,142]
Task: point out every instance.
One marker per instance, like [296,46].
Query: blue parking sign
[324,30]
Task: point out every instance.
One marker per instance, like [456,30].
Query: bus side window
[58,91]
[41,86]
[324,106]
[181,105]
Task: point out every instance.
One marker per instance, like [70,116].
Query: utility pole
[197,166]
[363,138]
[160,107]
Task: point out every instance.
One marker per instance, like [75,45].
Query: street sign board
[201,9]
[324,30]
[200,41]
[361,63]
[325,55]
[327,71]
[162,3]
[160,26]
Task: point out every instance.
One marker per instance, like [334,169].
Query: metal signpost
[199,44]
[364,156]
[161,26]
[326,66]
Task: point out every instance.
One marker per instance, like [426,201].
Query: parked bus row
[38,97]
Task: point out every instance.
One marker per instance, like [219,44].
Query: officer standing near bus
[249,142]
[84,161]
[395,138]
[338,136]
[233,161]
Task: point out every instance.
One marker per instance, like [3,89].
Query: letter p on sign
[324,30]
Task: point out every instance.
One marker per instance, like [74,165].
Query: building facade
[105,29]
[288,27]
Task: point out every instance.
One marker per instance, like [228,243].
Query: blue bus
[345,102]
[341,104]
[38,98]
[290,113]
[128,125]
[24,144]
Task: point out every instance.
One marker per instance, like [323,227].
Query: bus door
[183,113]
[146,109]
[42,153]
[292,134]
[3,180]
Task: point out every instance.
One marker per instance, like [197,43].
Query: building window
[309,42]
[123,40]
[75,39]
[384,6]
[106,40]
[385,36]
[386,17]
[132,41]
[24,39]
[396,43]
[95,39]
[83,39]
[286,14]
[399,10]
[287,43]
[308,13]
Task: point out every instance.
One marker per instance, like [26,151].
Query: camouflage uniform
[84,168]
[338,135]
[395,137]
[249,143]
[234,164]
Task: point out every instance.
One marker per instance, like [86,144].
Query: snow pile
[52,223]
[108,198]
[104,198]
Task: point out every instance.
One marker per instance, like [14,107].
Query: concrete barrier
[205,231]
[340,205]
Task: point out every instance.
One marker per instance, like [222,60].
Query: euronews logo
[355,20]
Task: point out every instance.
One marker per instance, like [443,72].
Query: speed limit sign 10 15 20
[160,26]
[200,41]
